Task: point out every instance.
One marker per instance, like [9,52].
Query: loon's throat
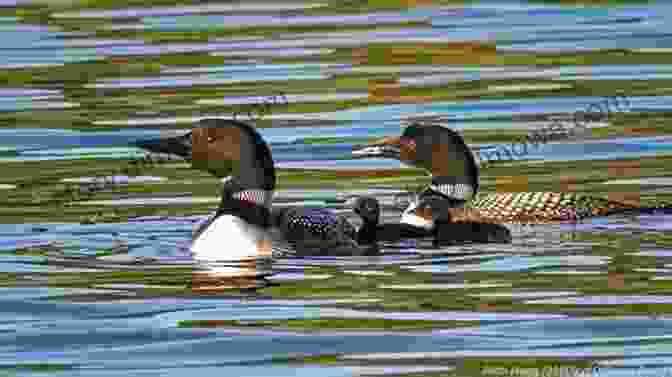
[251,204]
[459,191]
[233,190]
[257,197]
[454,189]
[434,202]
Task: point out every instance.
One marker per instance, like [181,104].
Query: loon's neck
[367,233]
[252,204]
[247,210]
[431,205]
[456,189]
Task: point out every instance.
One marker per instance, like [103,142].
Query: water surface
[106,297]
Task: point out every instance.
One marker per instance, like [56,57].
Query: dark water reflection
[111,325]
[123,298]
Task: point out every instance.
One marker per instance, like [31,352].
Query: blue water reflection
[73,295]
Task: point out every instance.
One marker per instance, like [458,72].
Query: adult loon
[245,224]
[443,153]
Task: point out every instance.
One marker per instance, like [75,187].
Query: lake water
[588,299]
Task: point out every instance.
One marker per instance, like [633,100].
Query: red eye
[410,143]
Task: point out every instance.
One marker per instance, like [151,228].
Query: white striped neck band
[459,191]
[261,198]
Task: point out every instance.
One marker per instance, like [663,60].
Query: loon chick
[244,221]
[368,209]
[318,231]
[438,150]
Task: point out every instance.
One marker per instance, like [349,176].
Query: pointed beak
[178,146]
[388,147]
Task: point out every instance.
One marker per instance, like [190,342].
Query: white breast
[230,239]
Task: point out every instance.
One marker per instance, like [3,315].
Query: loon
[245,224]
[443,153]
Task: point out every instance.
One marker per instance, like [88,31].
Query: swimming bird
[245,224]
[368,208]
[443,153]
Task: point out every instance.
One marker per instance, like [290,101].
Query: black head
[439,150]
[224,148]
[442,152]
[368,209]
